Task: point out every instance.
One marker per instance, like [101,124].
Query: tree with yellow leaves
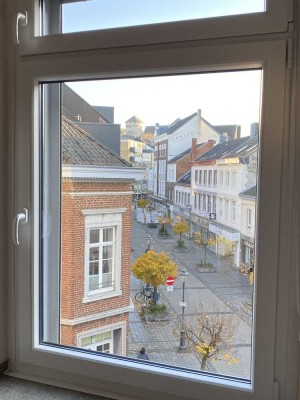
[179,228]
[211,334]
[153,269]
[142,203]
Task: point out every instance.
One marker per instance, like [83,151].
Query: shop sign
[212,216]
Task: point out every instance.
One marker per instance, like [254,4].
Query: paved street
[226,290]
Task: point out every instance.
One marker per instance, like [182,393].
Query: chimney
[254,129]
[223,138]
[194,149]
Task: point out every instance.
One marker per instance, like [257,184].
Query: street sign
[170,281]
[182,304]
[169,288]
[212,216]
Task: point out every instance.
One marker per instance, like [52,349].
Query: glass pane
[103,14]
[94,268]
[107,252]
[86,341]
[202,216]
[108,235]
[93,285]
[94,236]
[107,266]
[94,253]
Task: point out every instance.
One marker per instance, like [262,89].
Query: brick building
[96,243]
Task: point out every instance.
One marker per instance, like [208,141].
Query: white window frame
[110,327]
[64,364]
[248,219]
[101,219]
[278,14]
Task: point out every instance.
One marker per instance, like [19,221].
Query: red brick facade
[184,164]
[73,256]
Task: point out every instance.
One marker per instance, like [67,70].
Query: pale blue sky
[102,14]
[224,98]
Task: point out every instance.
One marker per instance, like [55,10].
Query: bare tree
[211,333]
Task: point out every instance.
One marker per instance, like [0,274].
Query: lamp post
[182,344]
[149,240]
[188,208]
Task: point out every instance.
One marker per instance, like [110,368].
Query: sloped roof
[80,148]
[131,137]
[249,192]
[183,154]
[233,131]
[179,124]
[149,129]
[185,179]
[134,119]
[162,129]
[239,148]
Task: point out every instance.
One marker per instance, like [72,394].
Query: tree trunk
[205,247]
[203,362]
[155,295]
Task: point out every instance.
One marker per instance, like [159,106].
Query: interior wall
[3,294]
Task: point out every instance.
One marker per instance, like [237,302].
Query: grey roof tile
[80,148]
[249,192]
[239,148]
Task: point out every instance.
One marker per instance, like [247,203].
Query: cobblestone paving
[226,289]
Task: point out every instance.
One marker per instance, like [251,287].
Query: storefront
[227,242]
[247,250]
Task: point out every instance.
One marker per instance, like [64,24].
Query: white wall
[248,204]
[3,261]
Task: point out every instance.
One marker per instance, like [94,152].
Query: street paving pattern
[225,290]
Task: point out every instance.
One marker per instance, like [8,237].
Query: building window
[233,179]
[99,342]
[227,178]
[196,176]
[221,178]
[200,202]
[221,207]
[209,204]
[226,208]
[233,211]
[205,178]
[209,178]
[204,202]
[215,178]
[214,208]
[200,177]
[249,219]
[101,258]
[102,253]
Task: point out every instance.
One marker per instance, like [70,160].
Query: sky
[224,98]
[103,14]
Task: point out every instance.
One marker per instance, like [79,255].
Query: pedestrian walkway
[227,289]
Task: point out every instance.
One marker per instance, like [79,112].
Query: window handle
[20,218]
[20,19]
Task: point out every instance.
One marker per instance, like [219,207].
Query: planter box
[152,225]
[157,317]
[205,268]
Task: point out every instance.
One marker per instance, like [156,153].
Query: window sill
[101,296]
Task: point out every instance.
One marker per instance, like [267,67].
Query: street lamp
[182,344]
[149,240]
[188,208]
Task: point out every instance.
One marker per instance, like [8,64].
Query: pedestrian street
[225,290]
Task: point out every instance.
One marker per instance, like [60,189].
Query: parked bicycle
[145,294]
